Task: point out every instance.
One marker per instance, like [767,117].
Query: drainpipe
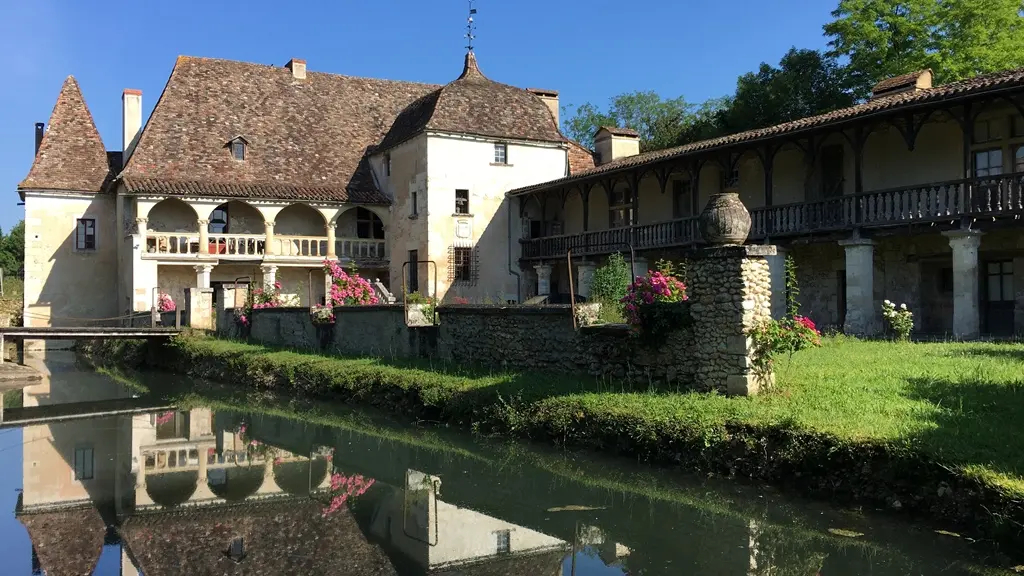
[519,278]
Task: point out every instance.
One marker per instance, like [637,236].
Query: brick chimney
[298,68]
[549,97]
[131,121]
[612,143]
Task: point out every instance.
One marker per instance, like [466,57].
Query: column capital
[203,222]
[141,220]
[269,223]
[966,238]
[542,268]
[332,225]
[268,268]
[856,242]
[204,268]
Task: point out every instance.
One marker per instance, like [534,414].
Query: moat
[159,475]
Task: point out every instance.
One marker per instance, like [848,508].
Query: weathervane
[471,27]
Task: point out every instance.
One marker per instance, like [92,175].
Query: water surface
[156,475]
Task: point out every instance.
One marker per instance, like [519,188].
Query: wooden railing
[950,202]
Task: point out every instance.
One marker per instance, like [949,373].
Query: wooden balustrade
[951,201]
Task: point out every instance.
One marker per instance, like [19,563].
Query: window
[387,164]
[83,464]
[368,225]
[238,149]
[1000,281]
[504,538]
[414,272]
[988,130]
[988,162]
[462,268]
[1018,126]
[462,201]
[832,171]
[682,202]
[85,234]
[171,425]
[1018,159]
[236,550]
[413,201]
[620,209]
[219,220]
[501,153]
[732,180]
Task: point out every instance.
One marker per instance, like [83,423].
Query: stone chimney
[913,82]
[549,97]
[612,143]
[131,121]
[40,130]
[298,68]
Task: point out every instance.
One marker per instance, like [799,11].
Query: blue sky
[587,50]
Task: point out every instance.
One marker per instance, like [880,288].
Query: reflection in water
[235,491]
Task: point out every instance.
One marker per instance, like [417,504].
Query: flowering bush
[645,299]
[775,337]
[900,320]
[348,289]
[164,303]
[345,487]
[264,297]
[164,418]
[322,315]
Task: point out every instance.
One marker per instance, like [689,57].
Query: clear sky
[588,50]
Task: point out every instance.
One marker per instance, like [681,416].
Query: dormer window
[237,147]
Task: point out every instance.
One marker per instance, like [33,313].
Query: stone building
[914,195]
[254,173]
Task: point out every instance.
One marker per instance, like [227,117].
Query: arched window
[219,220]
[369,225]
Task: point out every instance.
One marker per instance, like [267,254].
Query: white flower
[887,303]
[903,306]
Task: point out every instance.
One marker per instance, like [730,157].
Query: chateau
[254,173]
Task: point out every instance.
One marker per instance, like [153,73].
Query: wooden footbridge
[19,333]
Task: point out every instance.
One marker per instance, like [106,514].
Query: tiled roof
[983,84]
[898,82]
[71,156]
[307,138]
[261,190]
[67,542]
[285,536]
[474,104]
[580,158]
[617,131]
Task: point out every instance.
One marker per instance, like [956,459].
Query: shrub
[164,303]
[647,302]
[608,287]
[348,289]
[900,320]
[258,299]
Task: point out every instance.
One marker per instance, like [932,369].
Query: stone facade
[730,290]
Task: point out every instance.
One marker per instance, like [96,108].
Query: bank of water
[185,475]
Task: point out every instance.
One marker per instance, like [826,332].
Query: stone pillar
[199,307]
[730,293]
[966,312]
[269,275]
[203,275]
[777,271]
[583,278]
[332,240]
[543,279]
[861,314]
[268,230]
[204,236]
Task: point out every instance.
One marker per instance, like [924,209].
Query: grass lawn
[960,403]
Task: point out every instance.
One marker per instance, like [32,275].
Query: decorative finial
[471,27]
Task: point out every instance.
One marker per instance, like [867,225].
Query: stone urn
[725,220]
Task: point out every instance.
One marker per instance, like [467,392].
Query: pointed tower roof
[475,104]
[71,156]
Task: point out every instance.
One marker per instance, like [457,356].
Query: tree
[955,38]
[658,121]
[12,250]
[806,83]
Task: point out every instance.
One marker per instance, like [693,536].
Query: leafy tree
[12,250]
[608,285]
[658,121]
[979,36]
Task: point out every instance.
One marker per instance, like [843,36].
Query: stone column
[332,240]
[199,307]
[204,236]
[777,270]
[730,293]
[861,314]
[269,275]
[203,275]
[268,231]
[543,279]
[583,278]
[966,297]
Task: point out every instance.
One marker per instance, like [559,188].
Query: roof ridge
[186,58]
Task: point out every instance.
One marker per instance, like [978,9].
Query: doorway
[998,298]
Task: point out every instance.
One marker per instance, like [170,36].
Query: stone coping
[736,251]
[506,310]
